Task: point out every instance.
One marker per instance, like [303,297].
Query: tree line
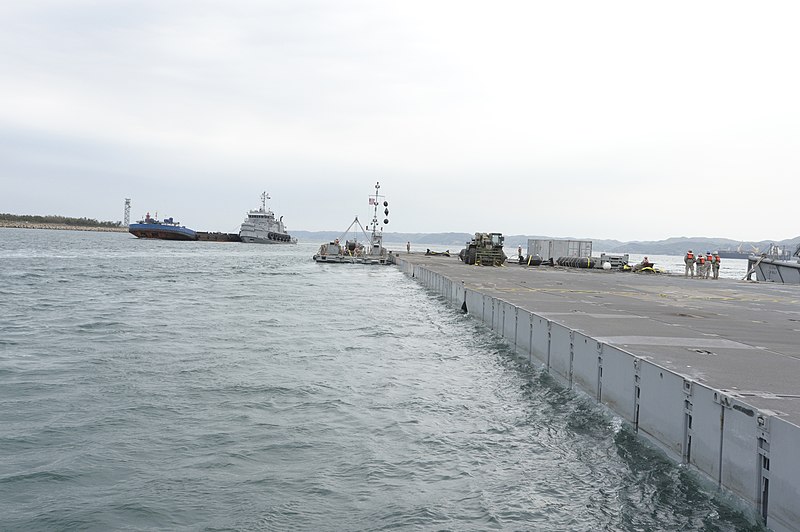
[56,220]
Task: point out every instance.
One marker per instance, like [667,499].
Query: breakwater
[705,371]
[62,227]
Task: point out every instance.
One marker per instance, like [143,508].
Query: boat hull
[218,237]
[774,271]
[276,239]
[161,232]
[732,254]
[345,259]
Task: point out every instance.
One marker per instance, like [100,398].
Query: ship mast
[376,238]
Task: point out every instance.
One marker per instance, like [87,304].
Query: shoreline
[61,227]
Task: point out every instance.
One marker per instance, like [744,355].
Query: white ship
[261,227]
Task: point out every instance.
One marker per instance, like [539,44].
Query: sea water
[150,385]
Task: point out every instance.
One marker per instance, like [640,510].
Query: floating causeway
[709,370]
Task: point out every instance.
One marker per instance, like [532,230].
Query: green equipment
[486,249]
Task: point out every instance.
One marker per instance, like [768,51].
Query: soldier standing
[700,262]
[689,260]
[715,265]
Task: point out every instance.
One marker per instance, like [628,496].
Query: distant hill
[679,245]
[55,220]
[669,246]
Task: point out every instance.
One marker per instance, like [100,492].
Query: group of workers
[706,265]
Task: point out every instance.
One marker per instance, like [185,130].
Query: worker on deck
[709,264]
[408,247]
[715,265]
[689,260]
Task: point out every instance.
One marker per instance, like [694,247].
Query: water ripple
[184,386]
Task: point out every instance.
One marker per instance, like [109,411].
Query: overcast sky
[624,120]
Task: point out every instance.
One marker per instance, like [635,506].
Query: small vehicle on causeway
[486,249]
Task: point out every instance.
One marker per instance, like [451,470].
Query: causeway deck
[736,336]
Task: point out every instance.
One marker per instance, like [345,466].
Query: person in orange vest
[715,265]
[689,260]
[700,262]
[709,264]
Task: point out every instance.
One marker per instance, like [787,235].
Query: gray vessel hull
[256,240]
[776,271]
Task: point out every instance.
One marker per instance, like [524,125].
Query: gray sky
[626,120]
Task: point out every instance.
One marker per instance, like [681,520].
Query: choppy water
[176,385]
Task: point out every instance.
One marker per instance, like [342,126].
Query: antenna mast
[375,202]
[127,217]
[264,198]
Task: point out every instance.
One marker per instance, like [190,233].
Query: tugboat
[261,227]
[353,251]
[166,229]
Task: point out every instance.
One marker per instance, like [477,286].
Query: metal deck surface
[736,336]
